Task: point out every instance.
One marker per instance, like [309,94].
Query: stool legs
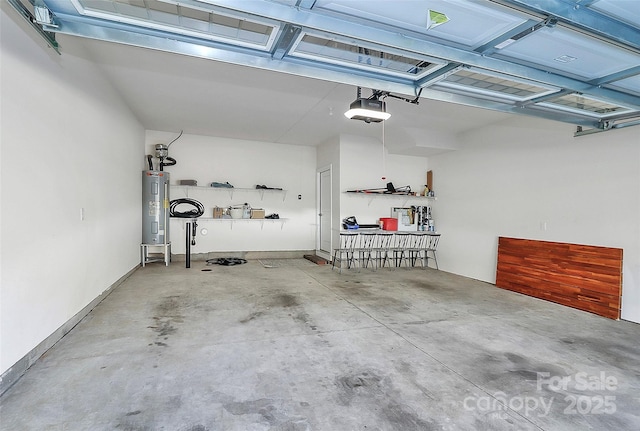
[378,248]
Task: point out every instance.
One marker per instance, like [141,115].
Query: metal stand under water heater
[155,215]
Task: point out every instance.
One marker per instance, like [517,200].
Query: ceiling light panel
[591,57]
[581,104]
[625,10]
[471,23]
[184,19]
[493,84]
[360,55]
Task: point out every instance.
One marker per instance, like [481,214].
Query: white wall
[244,164]
[363,166]
[68,142]
[532,179]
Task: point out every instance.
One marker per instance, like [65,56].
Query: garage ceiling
[575,61]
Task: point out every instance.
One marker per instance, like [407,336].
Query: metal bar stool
[345,250]
[431,247]
[364,249]
[382,248]
[417,248]
[400,252]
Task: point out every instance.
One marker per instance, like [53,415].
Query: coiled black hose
[172,162]
[196,212]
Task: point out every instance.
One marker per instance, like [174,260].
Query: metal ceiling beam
[293,19]
[490,47]
[605,127]
[287,37]
[581,16]
[626,124]
[305,18]
[628,73]
[585,3]
[153,39]
[379,36]
[546,97]
[460,99]
[93,28]
[438,75]
[305,4]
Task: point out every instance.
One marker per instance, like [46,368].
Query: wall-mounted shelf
[231,190]
[232,221]
[404,198]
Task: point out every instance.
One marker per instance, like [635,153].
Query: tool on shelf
[390,189]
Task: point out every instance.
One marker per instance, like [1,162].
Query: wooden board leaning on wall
[585,277]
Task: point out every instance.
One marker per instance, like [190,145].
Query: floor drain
[206,269]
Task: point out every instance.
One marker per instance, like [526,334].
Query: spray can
[246,210]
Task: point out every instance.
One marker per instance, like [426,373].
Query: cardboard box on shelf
[257,213]
[218,212]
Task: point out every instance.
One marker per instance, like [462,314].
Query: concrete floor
[296,346]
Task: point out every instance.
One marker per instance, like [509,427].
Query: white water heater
[155,207]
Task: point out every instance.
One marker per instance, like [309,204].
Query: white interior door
[324,213]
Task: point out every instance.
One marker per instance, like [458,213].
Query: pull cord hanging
[384,168]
